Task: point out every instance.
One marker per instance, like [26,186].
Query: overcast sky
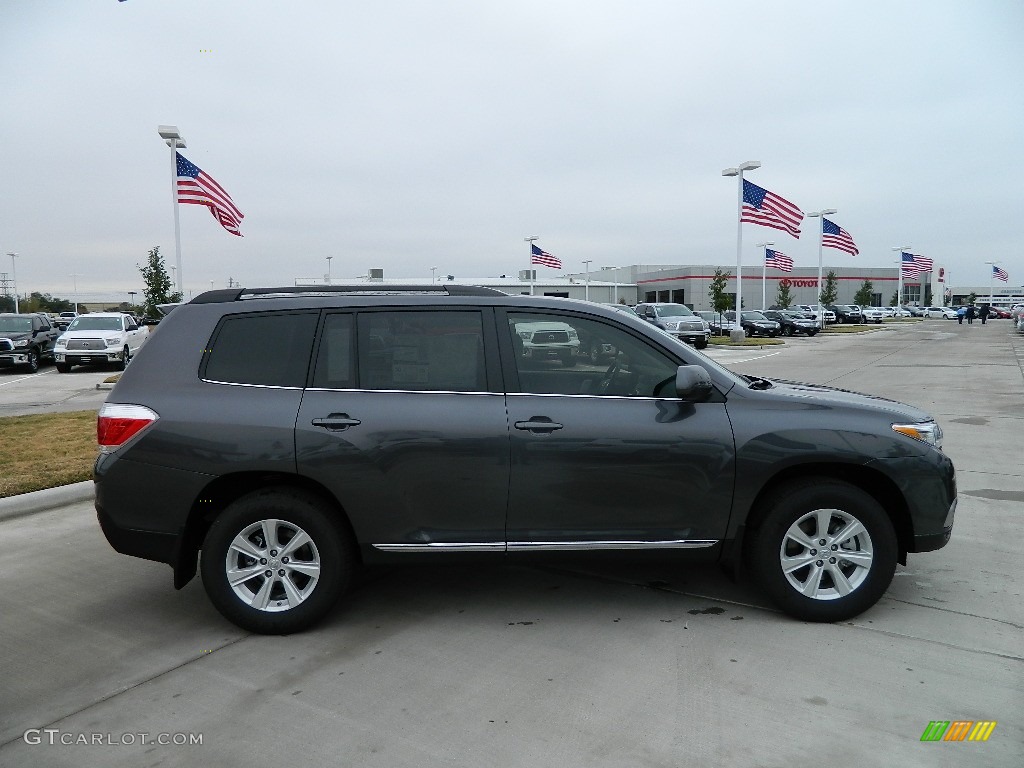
[406,134]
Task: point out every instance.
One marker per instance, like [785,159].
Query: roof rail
[241,294]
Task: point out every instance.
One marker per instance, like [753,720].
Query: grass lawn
[46,450]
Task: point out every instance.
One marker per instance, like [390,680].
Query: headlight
[61,342]
[113,341]
[22,343]
[524,334]
[927,431]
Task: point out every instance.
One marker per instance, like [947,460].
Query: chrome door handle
[538,424]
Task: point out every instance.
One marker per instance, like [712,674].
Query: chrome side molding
[545,546]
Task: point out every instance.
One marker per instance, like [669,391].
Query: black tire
[32,366]
[810,334]
[126,357]
[701,343]
[569,361]
[771,540]
[787,330]
[63,368]
[331,546]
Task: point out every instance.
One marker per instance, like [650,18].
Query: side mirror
[693,383]
[132,327]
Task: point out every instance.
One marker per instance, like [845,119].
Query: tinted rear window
[271,349]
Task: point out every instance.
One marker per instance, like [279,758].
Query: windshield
[16,324]
[96,324]
[753,316]
[674,310]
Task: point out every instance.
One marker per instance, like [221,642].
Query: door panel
[403,429]
[602,450]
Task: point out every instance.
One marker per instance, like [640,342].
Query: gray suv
[277,439]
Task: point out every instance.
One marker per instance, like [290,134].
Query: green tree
[830,290]
[158,284]
[972,298]
[44,302]
[895,300]
[863,294]
[720,300]
[783,297]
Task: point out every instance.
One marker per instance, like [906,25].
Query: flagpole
[820,215]
[764,276]
[529,269]
[899,280]
[749,165]
[172,137]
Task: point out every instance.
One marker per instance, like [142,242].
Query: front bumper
[85,358]
[11,359]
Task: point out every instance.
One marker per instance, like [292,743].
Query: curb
[46,499]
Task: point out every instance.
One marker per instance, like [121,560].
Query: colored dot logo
[206,50]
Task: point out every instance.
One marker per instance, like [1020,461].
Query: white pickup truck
[99,338]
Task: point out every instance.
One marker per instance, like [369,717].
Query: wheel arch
[868,479]
[223,491]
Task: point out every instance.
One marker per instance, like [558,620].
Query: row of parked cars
[27,340]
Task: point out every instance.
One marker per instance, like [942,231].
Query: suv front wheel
[824,550]
[275,561]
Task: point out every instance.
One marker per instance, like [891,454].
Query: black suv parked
[281,437]
[26,340]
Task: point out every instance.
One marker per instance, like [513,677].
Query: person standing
[960,313]
[970,314]
[983,313]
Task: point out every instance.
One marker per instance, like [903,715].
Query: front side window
[568,355]
[421,351]
[271,349]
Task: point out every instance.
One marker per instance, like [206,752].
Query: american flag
[778,260]
[769,210]
[537,256]
[834,236]
[198,188]
[1000,274]
[913,265]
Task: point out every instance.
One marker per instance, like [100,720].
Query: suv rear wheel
[275,562]
[824,550]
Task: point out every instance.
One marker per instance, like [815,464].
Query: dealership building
[689,284]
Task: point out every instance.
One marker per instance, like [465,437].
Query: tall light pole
[74,284]
[329,269]
[172,137]
[14,280]
[433,275]
[764,275]
[821,232]
[174,280]
[131,300]
[586,290]
[530,270]
[749,165]
[899,285]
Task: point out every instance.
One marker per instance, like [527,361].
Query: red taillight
[117,423]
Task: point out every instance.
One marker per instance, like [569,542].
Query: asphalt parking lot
[47,391]
[625,665]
